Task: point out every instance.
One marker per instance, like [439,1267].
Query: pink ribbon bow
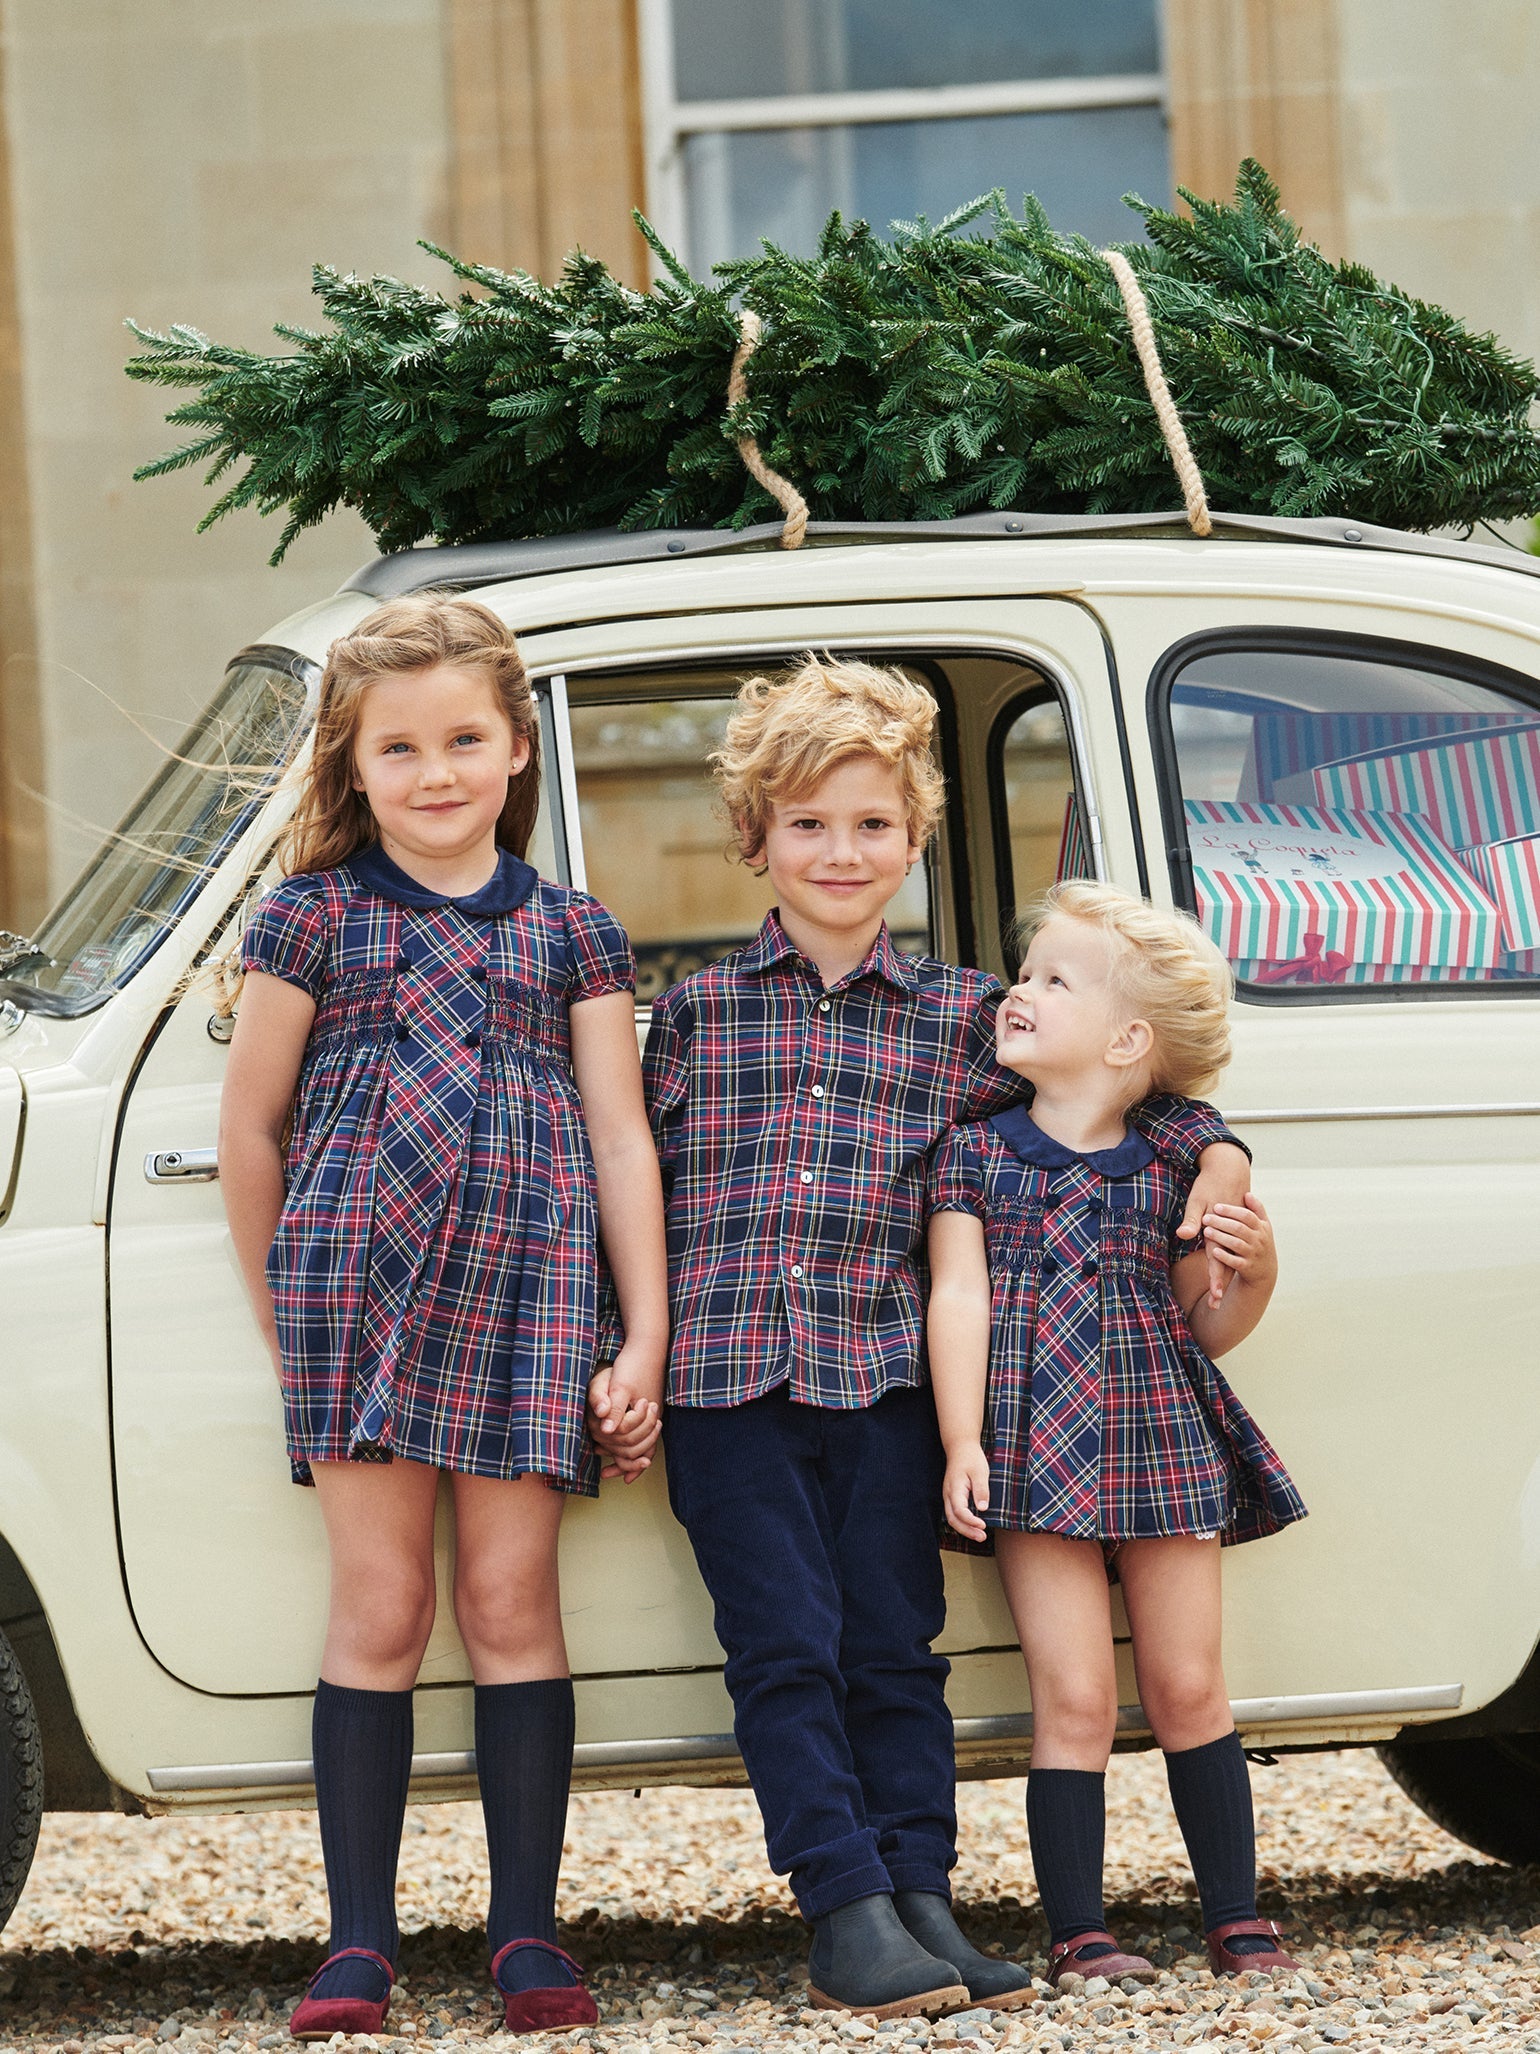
[1318,965]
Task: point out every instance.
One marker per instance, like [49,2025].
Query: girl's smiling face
[432,754]
[1059,1021]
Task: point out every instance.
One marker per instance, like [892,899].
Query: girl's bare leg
[379,1524]
[508,1605]
[506,1596]
[1057,1592]
[379,1529]
[1171,1589]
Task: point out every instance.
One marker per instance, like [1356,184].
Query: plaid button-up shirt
[793,1125]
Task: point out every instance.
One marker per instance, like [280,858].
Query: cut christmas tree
[985,361]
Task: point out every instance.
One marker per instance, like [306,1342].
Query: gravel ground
[135,1933]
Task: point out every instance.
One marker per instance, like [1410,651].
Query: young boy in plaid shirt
[796,1089]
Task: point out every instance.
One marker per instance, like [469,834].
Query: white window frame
[668,121]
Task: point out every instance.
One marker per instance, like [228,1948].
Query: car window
[655,849]
[1037,809]
[1346,814]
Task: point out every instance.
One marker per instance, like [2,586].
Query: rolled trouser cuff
[838,1873]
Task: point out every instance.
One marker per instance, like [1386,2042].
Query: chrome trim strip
[1278,1116]
[721,1747]
[566,778]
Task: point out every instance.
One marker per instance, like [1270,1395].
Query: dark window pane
[780,184]
[1356,822]
[745,49]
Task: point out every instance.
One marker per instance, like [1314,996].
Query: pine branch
[982,360]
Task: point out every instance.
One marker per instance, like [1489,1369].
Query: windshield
[128,897]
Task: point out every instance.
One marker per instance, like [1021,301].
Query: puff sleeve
[599,953]
[289,936]
[954,1180]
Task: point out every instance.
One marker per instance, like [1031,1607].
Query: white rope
[781,490]
[1189,477]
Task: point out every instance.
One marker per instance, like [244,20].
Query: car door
[1347,794]
[224,1557]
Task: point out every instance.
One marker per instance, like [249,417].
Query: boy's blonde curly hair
[1164,970]
[789,732]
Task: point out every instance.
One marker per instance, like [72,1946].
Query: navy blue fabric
[1017,1128]
[504,891]
[1067,1829]
[361,1741]
[815,1531]
[524,1766]
[1211,1795]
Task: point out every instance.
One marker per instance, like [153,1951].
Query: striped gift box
[1510,871]
[1285,744]
[1374,887]
[1469,788]
[1074,844]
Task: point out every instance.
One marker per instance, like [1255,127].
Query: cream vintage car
[1325,737]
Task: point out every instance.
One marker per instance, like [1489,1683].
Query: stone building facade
[188,160]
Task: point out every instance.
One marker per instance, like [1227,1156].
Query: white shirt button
[807,1176]
[823,1005]
[818,1091]
[796,1269]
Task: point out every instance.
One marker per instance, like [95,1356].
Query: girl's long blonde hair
[332,821]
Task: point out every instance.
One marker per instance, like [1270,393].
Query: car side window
[1040,821]
[1343,812]
[656,850]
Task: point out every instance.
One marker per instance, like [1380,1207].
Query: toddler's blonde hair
[1164,970]
[789,732]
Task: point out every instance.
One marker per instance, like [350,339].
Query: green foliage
[906,379]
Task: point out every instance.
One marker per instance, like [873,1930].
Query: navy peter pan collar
[504,891]
[1017,1128]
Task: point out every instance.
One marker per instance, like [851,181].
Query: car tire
[21,1779]
[1485,1792]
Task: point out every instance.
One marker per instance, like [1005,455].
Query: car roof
[464,565]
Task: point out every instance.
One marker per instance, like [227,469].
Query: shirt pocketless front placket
[801,1177]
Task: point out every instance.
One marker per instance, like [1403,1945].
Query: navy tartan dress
[436,1265]
[1103,1419]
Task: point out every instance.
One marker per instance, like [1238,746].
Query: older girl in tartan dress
[453,1040]
[1071,1343]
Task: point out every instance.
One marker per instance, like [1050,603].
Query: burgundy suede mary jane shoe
[1067,1959]
[1226,1960]
[550,2007]
[317,2018]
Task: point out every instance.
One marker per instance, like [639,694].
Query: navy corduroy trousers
[815,1531]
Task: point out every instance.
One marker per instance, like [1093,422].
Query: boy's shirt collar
[773,945]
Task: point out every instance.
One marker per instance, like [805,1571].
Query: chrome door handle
[182,1166]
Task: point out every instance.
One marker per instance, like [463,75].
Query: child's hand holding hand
[965,1491]
[1240,1239]
[625,1415]
[1224,1175]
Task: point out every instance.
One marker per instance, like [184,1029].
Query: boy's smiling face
[837,855]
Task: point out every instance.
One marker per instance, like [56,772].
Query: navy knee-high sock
[1067,1827]
[524,1765]
[362,1743]
[1211,1793]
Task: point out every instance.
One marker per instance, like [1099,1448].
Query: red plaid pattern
[435,1268]
[1104,1420]
[793,1126]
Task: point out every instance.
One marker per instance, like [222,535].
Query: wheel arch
[73,1779]
[1514,1710]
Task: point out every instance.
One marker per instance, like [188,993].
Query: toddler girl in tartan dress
[453,1040]
[1071,1341]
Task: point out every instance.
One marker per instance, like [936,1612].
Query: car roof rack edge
[461,566]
